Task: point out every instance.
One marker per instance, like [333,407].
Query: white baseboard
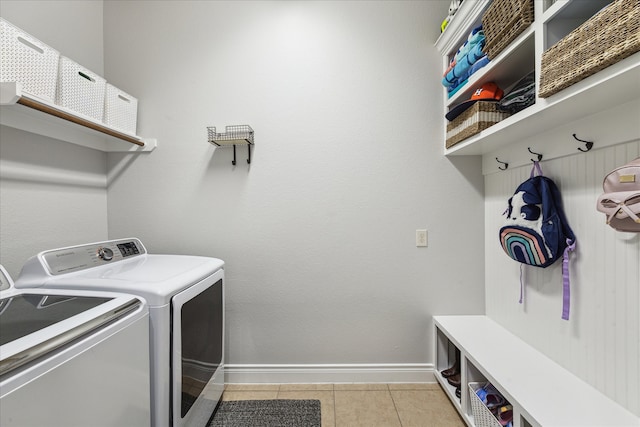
[330,373]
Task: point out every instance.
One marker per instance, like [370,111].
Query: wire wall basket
[232,136]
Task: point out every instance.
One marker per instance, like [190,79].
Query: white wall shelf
[20,111]
[542,392]
[615,85]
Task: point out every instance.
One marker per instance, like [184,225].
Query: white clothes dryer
[72,358]
[185,295]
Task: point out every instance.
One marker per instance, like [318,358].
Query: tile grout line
[394,405]
[335,415]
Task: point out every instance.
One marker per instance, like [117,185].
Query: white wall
[52,193]
[601,341]
[318,233]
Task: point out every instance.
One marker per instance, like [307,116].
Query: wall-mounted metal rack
[232,136]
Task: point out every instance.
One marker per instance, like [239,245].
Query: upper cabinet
[609,87]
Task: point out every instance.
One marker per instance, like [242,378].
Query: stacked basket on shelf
[57,81]
[503,21]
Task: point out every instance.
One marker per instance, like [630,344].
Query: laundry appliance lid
[154,277]
[35,322]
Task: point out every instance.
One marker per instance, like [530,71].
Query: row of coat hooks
[588,146]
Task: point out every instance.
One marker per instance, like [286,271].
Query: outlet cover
[421,238]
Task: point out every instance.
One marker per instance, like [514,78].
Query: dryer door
[197,350]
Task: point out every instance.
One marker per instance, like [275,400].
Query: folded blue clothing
[473,33]
[479,64]
[473,40]
[463,65]
[476,37]
[454,90]
[465,76]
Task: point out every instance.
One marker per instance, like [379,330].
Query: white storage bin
[27,60]
[482,416]
[80,90]
[120,110]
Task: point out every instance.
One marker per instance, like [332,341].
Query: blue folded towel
[476,36]
[464,64]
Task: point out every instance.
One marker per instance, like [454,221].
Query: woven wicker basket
[606,38]
[503,21]
[475,119]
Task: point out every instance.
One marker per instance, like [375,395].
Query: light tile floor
[366,405]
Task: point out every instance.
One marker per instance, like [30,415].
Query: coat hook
[537,154]
[589,144]
[506,165]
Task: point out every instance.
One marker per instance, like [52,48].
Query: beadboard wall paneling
[600,342]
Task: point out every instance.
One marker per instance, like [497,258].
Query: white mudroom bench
[542,392]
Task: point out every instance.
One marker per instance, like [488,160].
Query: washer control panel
[76,258]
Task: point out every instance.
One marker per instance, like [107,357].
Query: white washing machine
[72,358]
[185,295]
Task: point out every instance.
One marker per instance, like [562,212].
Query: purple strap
[536,168]
[566,295]
[521,285]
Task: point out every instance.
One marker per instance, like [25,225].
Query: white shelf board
[35,121]
[236,141]
[550,394]
[615,85]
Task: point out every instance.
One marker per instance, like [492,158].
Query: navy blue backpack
[536,231]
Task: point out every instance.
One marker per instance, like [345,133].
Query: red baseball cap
[487,92]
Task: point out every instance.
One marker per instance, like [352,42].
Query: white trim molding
[330,373]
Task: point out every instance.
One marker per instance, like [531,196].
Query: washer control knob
[105,254]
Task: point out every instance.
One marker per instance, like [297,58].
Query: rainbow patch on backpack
[523,245]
